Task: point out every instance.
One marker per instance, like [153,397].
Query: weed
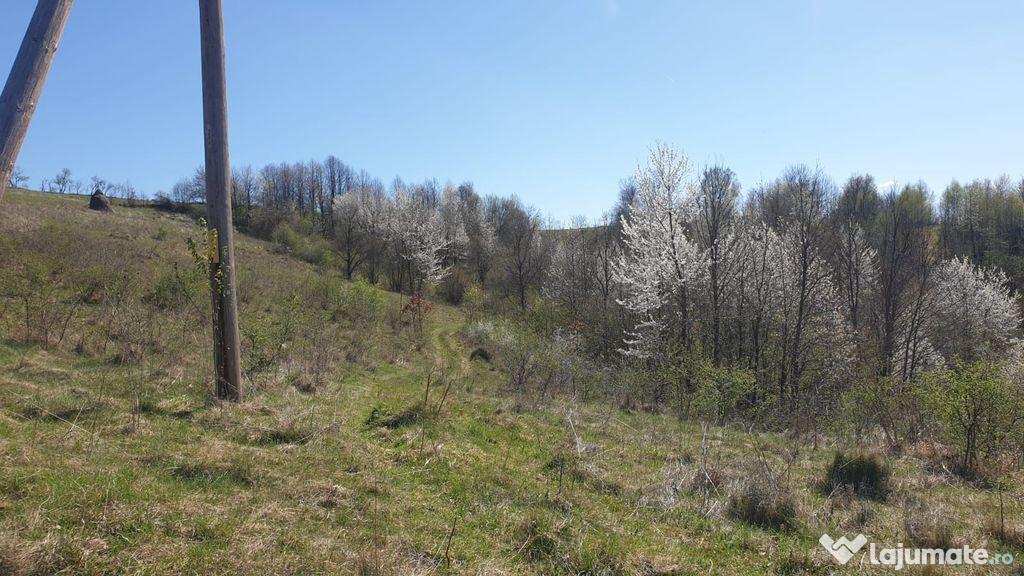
[384,417]
[764,504]
[212,476]
[864,475]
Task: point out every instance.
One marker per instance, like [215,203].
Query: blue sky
[554,101]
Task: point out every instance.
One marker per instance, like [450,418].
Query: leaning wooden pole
[25,84]
[226,351]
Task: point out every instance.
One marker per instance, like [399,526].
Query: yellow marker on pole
[212,252]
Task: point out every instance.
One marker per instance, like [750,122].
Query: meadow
[370,442]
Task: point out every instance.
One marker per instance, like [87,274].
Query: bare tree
[906,260]
[808,193]
[571,276]
[856,260]
[245,184]
[716,215]
[18,178]
[524,255]
[62,182]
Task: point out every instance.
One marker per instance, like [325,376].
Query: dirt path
[445,342]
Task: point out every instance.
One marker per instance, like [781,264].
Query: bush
[453,288]
[722,393]
[163,203]
[176,288]
[473,301]
[975,409]
[262,343]
[364,302]
[520,358]
[480,353]
[864,475]
[417,309]
[888,404]
[305,247]
[385,417]
[763,503]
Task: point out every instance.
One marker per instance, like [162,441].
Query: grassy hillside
[114,460]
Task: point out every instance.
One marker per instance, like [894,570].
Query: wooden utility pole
[25,84]
[226,341]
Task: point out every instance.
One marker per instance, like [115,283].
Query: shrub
[519,355]
[483,332]
[176,288]
[262,343]
[707,479]
[453,288]
[722,393]
[888,403]
[473,301]
[45,285]
[163,203]
[864,475]
[285,236]
[417,309]
[384,417]
[763,503]
[975,408]
[304,246]
[364,302]
[480,353]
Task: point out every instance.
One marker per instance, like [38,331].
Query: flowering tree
[418,233]
[360,222]
[659,261]
[974,312]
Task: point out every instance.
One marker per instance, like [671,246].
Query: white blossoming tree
[418,232]
[660,262]
[974,312]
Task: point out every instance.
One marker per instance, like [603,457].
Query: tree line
[798,302]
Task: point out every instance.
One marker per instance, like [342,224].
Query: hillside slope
[364,445]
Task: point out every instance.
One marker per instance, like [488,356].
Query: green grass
[114,468]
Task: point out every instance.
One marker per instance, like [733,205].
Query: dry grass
[764,504]
[927,525]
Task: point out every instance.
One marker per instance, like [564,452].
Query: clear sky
[552,100]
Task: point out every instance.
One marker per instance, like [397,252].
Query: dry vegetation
[343,459]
